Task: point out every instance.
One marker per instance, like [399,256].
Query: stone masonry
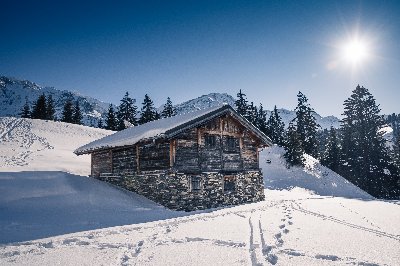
[173,190]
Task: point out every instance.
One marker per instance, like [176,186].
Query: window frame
[195,179]
[230,144]
[210,141]
[231,179]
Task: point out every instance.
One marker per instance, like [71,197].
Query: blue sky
[184,49]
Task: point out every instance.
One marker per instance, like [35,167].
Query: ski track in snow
[19,131]
[139,244]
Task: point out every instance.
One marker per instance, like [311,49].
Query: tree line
[357,150]
[127,114]
[44,108]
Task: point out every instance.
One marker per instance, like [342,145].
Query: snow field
[311,216]
[278,231]
[38,145]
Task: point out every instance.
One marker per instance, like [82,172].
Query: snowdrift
[314,177]
[39,145]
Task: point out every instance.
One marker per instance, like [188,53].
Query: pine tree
[100,123]
[252,114]
[26,110]
[365,157]
[39,109]
[396,155]
[322,139]
[261,119]
[77,114]
[331,155]
[306,125]
[293,146]
[127,112]
[50,111]
[241,104]
[111,121]
[275,128]
[148,112]
[168,110]
[67,113]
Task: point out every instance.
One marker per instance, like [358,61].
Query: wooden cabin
[203,159]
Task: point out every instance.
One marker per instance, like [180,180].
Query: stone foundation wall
[173,190]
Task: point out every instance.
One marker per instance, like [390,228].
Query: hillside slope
[39,145]
[314,177]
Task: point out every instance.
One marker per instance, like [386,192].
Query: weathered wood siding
[234,149]
[249,152]
[124,160]
[187,155]
[210,157]
[101,163]
[154,155]
[231,156]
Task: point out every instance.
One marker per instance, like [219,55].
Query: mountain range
[15,92]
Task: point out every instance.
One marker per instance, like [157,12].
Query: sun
[355,51]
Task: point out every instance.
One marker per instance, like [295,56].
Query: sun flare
[355,51]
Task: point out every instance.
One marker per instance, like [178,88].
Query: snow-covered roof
[166,128]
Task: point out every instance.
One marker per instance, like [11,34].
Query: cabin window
[210,141]
[195,183]
[231,143]
[229,183]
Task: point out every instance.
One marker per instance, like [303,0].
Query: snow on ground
[38,145]
[309,217]
[36,204]
[314,177]
[285,229]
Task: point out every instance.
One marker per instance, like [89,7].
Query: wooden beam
[91,165]
[223,133]
[137,158]
[171,153]
[111,161]
[199,132]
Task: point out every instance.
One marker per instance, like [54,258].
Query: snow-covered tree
[26,109]
[169,109]
[77,114]
[50,110]
[39,108]
[127,111]
[275,128]
[331,155]
[111,121]
[306,125]
[294,154]
[365,157]
[148,112]
[68,112]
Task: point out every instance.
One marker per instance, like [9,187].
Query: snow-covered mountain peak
[14,93]
[205,101]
